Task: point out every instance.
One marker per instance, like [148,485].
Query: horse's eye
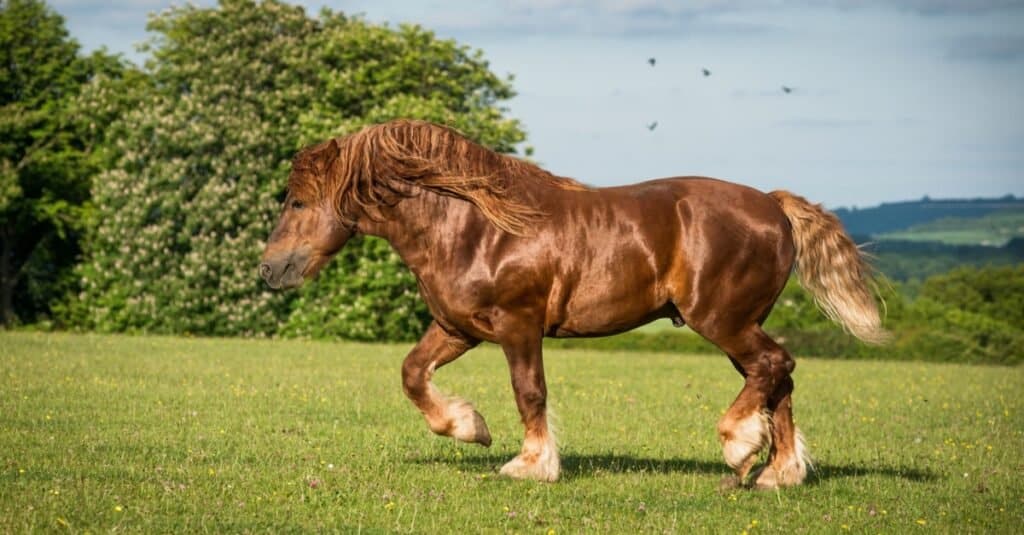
[297,205]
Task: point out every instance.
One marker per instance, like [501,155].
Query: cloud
[702,7]
[943,7]
[671,17]
[600,17]
[94,5]
[778,92]
[989,48]
[820,123]
[848,123]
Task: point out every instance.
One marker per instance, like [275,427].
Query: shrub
[201,154]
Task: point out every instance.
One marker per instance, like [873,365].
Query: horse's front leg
[452,417]
[539,457]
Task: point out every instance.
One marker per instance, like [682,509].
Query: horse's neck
[421,228]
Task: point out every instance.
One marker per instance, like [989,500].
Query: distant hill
[896,216]
[907,260]
[994,229]
[916,239]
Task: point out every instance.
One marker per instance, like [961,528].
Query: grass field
[145,434]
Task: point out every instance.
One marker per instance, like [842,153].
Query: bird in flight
[652,126]
[652,61]
[706,72]
[787,90]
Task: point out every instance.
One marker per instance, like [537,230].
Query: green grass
[146,434]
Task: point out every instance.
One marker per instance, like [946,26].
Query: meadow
[161,434]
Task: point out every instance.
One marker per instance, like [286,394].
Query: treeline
[137,199]
[970,314]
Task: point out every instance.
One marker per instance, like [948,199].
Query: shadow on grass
[579,466]
[825,472]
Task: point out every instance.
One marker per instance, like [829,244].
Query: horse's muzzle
[284,272]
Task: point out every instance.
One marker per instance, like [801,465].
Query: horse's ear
[330,154]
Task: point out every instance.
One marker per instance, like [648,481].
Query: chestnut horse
[506,252]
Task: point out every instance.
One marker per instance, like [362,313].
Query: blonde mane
[363,171]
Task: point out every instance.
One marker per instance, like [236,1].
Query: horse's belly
[616,307]
[594,327]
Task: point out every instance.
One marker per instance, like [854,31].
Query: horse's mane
[364,170]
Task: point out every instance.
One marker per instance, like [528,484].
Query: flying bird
[706,72]
[652,61]
[652,126]
[787,90]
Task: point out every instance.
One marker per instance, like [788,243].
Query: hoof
[532,467]
[539,461]
[769,478]
[765,478]
[475,432]
[468,425]
[785,472]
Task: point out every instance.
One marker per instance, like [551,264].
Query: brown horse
[506,252]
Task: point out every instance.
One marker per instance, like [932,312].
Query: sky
[890,99]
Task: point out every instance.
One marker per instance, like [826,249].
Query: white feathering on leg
[789,472]
[746,437]
[539,461]
[802,461]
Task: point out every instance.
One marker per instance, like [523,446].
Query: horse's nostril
[265,271]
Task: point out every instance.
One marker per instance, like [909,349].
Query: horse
[506,252]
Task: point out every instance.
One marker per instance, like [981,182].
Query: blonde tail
[831,267]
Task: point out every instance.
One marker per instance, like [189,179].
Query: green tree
[996,292]
[375,74]
[46,156]
[203,155]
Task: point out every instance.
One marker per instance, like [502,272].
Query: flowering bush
[200,157]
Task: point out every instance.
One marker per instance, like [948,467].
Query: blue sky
[891,100]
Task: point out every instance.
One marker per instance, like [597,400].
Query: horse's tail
[831,267]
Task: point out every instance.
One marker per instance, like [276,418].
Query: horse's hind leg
[445,416]
[748,427]
[789,459]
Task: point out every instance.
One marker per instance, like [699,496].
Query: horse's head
[310,230]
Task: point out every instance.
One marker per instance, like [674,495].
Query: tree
[45,156]
[376,74]
[202,157]
[996,292]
